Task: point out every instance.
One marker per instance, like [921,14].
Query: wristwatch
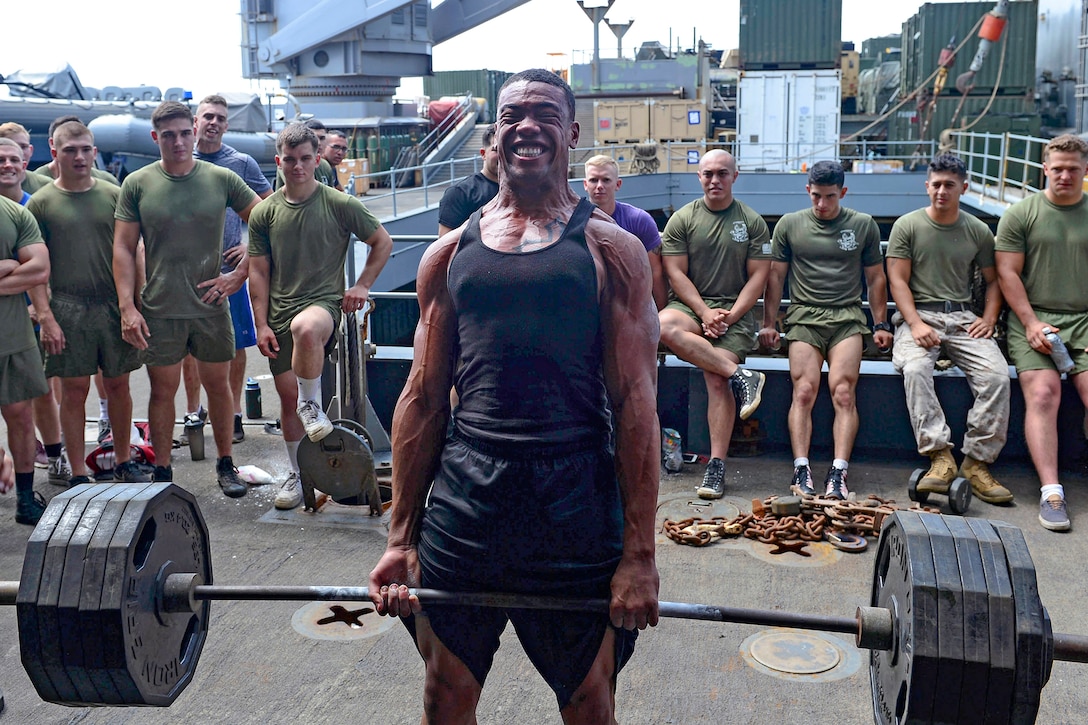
[885,326]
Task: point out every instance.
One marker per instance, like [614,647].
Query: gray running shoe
[290,494]
[59,471]
[1053,515]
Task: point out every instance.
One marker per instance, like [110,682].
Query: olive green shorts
[823,327]
[22,376]
[92,340]
[282,362]
[1072,328]
[209,339]
[739,339]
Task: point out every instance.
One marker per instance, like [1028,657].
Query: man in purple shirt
[602,182]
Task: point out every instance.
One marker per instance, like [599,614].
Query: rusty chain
[816,516]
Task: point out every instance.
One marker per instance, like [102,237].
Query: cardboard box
[358,168]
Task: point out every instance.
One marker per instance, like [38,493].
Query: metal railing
[1002,167]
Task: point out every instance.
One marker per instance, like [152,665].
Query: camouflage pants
[987,374]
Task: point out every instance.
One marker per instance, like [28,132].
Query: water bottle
[194,430]
[253,399]
[1058,351]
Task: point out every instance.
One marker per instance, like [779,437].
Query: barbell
[113,608]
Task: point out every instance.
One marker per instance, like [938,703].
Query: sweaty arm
[381,246]
[659,285]
[772,301]
[899,273]
[260,274]
[631,332]
[877,284]
[419,429]
[126,239]
[33,270]
[1010,265]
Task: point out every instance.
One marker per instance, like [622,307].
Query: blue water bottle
[253,399]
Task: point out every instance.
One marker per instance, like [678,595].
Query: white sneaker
[314,420]
[290,494]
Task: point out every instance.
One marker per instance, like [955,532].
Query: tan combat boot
[942,470]
[984,485]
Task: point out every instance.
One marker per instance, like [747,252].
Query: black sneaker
[239,432]
[748,388]
[713,480]
[802,479]
[79,480]
[132,472]
[836,484]
[163,474]
[29,509]
[227,475]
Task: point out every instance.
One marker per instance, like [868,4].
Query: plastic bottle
[253,399]
[1059,353]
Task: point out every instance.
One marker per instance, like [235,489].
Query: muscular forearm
[258,295]
[772,295]
[994,300]
[381,246]
[26,276]
[39,297]
[878,299]
[124,277]
[1012,289]
[419,430]
[686,292]
[637,468]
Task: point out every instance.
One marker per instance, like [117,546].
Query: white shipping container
[787,119]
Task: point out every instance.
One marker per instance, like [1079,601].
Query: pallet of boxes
[353,174]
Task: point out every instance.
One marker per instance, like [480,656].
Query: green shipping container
[882,45]
[790,34]
[905,124]
[481,83]
[935,24]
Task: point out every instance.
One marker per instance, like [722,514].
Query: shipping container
[677,120]
[481,83]
[906,123]
[790,34]
[787,119]
[621,120]
[926,33]
[881,46]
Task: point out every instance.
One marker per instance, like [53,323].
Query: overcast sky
[196,44]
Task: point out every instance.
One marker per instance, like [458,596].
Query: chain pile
[789,523]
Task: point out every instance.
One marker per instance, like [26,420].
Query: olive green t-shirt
[45,171]
[307,244]
[33,182]
[324,174]
[181,219]
[827,258]
[17,230]
[941,255]
[1054,242]
[718,245]
[77,226]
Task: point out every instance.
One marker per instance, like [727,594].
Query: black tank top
[530,340]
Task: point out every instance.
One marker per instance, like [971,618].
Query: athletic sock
[53,450]
[309,388]
[292,454]
[1050,489]
[840,464]
[799,462]
[103,409]
[24,485]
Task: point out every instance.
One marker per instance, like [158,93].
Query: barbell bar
[113,608]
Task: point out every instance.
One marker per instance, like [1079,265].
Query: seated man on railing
[931,255]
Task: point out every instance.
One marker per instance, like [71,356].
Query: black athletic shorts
[525,521]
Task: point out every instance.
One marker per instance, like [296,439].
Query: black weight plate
[68,599]
[1030,645]
[161,532]
[904,679]
[959,495]
[950,612]
[912,487]
[93,689]
[26,601]
[91,616]
[997,707]
[976,623]
[68,691]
